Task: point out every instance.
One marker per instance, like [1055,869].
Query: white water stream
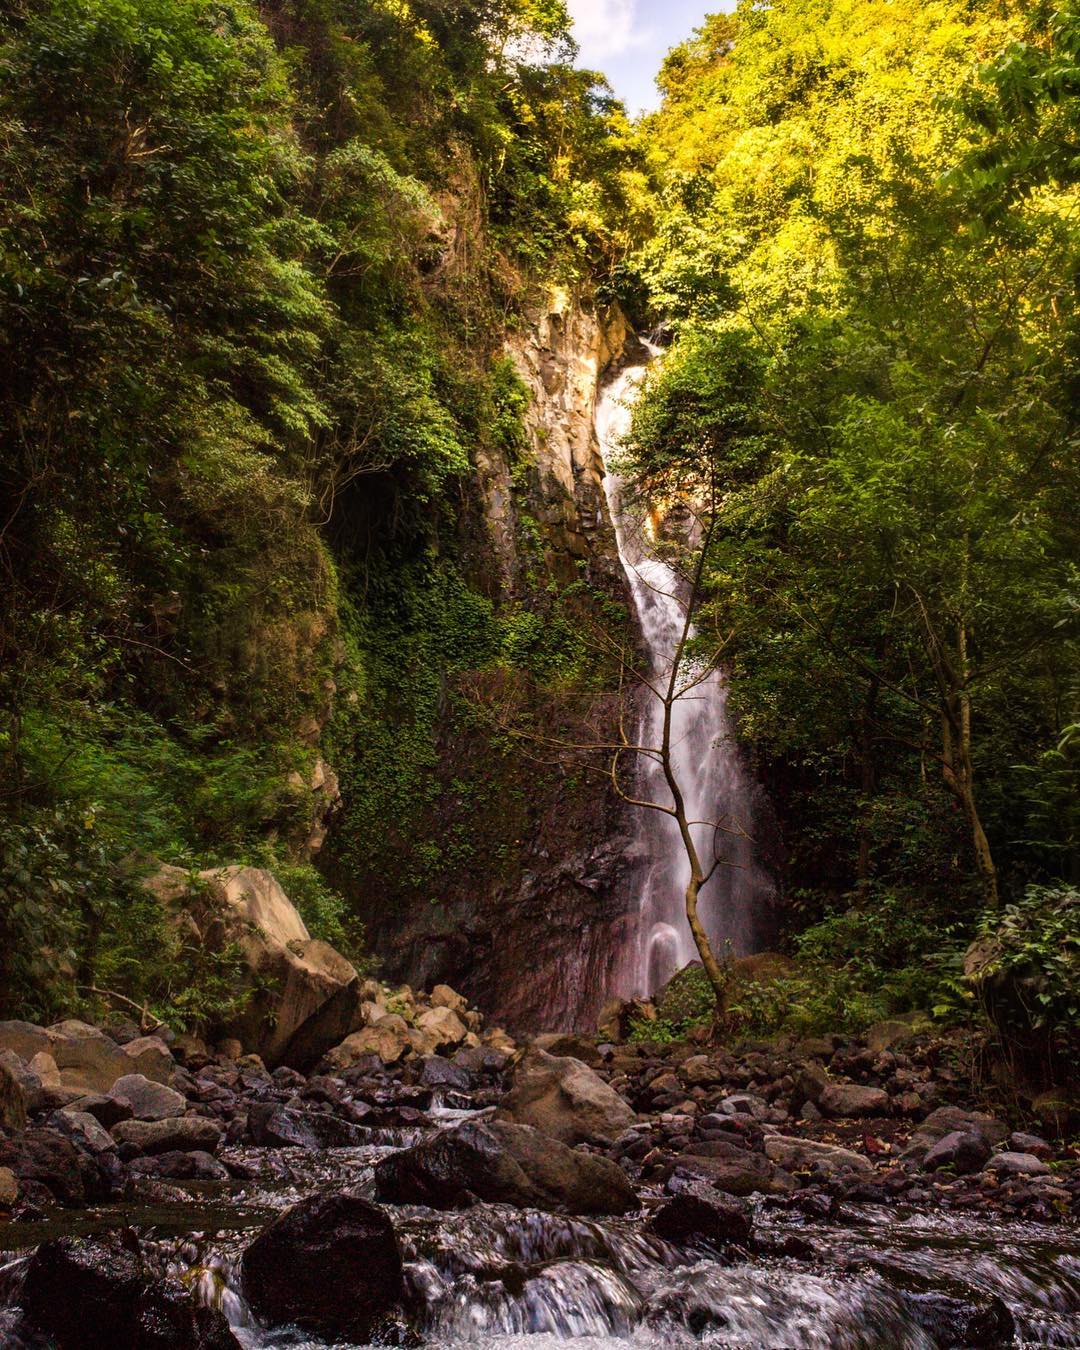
[706,761]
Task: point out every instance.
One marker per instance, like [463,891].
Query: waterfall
[736,904]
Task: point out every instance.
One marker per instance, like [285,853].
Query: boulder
[442,996]
[87,1059]
[949,1119]
[503,1163]
[1017,1165]
[43,1157]
[44,1067]
[177,1166]
[146,1099]
[305,994]
[699,1214]
[13,1099]
[962,1150]
[726,1167]
[107,1111]
[1030,1143]
[388,1039]
[565,1099]
[23,1039]
[184,1133]
[88,1293]
[572,1047]
[437,1072]
[852,1099]
[799,1155]
[289,1127]
[444,1027]
[150,1057]
[83,1130]
[700,1071]
[330,1265]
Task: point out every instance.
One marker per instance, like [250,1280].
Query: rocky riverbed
[835,1192]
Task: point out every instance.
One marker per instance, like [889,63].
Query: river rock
[84,1130]
[44,1157]
[503,1163]
[388,1038]
[445,1028]
[852,1099]
[565,1099]
[13,1100]
[290,1127]
[700,1214]
[330,1265]
[962,1150]
[305,995]
[948,1119]
[146,1099]
[86,1294]
[442,996]
[700,1071]
[1030,1143]
[1018,1165]
[437,1072]
[797,1155]
[106,1110]
[177,1166]
[23,1039]
[735,1171]
[184,1133]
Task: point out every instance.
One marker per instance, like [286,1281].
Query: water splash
[735,907]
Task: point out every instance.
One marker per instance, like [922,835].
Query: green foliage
[256,268]
[1034,947]
[865,248]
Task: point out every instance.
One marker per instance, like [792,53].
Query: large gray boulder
[304,995]
[146,1099]
[503,1163]
[565,1099]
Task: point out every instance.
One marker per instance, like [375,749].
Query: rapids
[497,1278]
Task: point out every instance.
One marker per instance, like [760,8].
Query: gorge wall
[509,880]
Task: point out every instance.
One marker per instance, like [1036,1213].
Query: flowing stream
[705,759]
[497,1278]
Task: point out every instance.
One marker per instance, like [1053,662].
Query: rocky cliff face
[561,357]
[529,923]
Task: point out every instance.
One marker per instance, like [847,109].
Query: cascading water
[705,759]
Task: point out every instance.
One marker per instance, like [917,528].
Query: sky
[628,39]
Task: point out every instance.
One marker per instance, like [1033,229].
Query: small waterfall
[736,904]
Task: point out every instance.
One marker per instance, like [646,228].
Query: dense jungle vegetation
[258,267]
[866,248]
[259,263]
